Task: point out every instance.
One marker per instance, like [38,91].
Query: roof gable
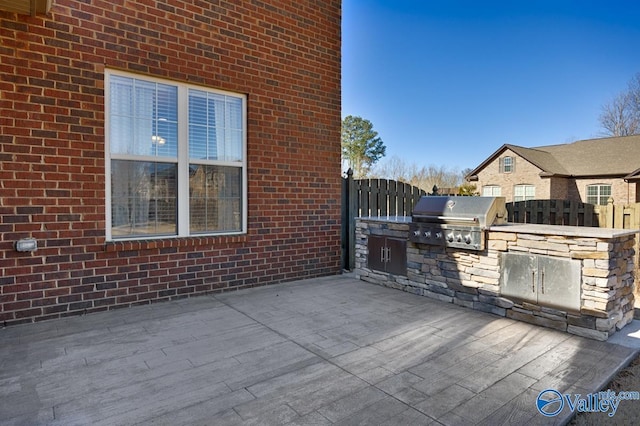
[527,154]
[615,156]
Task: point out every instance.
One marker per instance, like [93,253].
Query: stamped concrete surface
[322,351]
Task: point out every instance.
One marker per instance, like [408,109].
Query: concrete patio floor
[332,350]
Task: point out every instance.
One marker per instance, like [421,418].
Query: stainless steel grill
[458,222]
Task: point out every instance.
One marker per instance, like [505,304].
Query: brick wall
[285,55]
[622,192]
[525,174]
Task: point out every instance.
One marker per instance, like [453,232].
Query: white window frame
[507,168]
[492,189]
[599,196]
[183,160]
[525,195]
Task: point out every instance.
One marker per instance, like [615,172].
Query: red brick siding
[285,55]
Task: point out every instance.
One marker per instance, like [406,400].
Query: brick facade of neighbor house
[622,192]
[524,173]
[565,171]
[283,55]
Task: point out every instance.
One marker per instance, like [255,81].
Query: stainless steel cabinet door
[376,247]
[519,276]
[559,283]
[397,256]
[543,280]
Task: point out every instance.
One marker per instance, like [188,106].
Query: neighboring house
[590,171]
[155,150]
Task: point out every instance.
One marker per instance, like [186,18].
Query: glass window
[162,183]
[507,164]
[598,194]
[524,192]
[491,191]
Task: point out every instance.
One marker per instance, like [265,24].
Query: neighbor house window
[507,164]
[524,192]
[491,191]
[175,159]
[598,194]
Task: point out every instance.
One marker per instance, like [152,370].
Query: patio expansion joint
[316,353]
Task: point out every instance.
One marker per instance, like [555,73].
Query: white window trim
[493,188]
[599,195]
[182,159]
[524,187]
[503,167]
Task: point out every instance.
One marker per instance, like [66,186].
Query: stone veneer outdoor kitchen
[603,259]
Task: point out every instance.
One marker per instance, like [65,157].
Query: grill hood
[479,212]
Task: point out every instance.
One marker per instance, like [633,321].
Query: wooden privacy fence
[372,197]
[564,212]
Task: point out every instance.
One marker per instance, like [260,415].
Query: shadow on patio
[331,350]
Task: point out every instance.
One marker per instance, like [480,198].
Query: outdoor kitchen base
[575,279]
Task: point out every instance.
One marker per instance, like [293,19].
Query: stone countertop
[567,231]
[528,228]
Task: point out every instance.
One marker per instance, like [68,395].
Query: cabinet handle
[542,282]
[388,254]
[533,281]
[382,259]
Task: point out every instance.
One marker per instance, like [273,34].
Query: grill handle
[447,218]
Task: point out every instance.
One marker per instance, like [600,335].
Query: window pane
[197,142]
[143,198]
[598,194]
[215,201]
[203,108]
[234,113]
[530,191]
[121,134]
[233,147]
[524,192]
[507,164]
[215,124]
[215,111]
[491,191]
[121,95]
[143,118]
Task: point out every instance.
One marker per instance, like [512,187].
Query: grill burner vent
[458,222]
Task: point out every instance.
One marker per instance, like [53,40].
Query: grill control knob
[416,233]
[459,237]
[450,237]
[438,235]
[467,239]
[427,234]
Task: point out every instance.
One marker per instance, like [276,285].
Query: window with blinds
[175,159]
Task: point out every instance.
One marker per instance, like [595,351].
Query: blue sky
[447,82]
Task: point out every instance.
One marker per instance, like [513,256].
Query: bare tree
[621,116]
[424,177]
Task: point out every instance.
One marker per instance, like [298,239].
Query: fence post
[609,214]
[352,212]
